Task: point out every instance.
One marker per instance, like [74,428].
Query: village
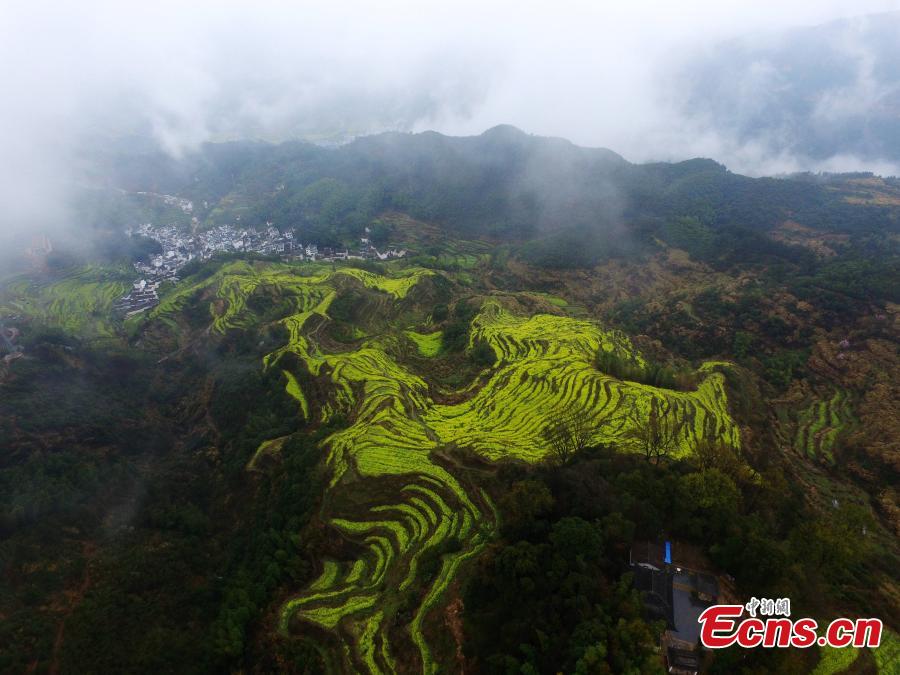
[179,248]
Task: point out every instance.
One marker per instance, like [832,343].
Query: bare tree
[657,435]
[569,434]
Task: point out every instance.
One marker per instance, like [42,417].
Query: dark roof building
[675,594]
[656,590]
[682,661]
[656,553]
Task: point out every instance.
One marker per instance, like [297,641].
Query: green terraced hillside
[413,505]
[820,424]
[407,504]
[78,302]
[305,286]
[427,344]
[887,656]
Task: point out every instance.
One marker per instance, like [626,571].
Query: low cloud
[822,98]
[77,75]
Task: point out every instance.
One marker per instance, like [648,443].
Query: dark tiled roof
[683,659]
[656,591]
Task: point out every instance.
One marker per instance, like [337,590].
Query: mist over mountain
[822,96]
[505,185]
[744,84]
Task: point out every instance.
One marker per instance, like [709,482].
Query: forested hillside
[557,204]
[441,463]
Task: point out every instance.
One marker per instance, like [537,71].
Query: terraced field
[834,660]
[820,424]
[427,344]
[79,302]
[413,518]
[306,287]
[544,366]
[887,656]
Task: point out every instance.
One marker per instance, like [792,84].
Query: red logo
[721,626]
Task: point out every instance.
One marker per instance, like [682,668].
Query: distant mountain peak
[504,131]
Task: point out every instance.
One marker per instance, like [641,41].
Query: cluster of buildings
[143,295]
[676,594]
[180,248]
[366,251]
